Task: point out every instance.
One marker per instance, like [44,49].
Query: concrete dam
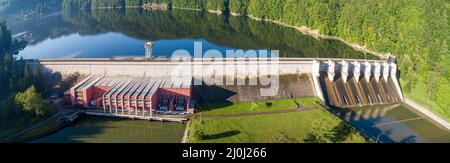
[338,82]
[347,83]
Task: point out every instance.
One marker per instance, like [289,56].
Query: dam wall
[338,82]
[165,68]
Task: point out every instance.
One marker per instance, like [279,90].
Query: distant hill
[29,7]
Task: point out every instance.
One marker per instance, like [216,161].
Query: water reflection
[170,30]
[96,129]
[395,123]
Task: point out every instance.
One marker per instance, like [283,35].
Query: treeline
[87,4]
[21,104]
[15,74]
[76,4]
[216,5]
[107,3]
[238,6]
[30,8]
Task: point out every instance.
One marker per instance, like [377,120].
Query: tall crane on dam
[148,50]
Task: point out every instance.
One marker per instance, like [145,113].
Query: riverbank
[427,113]
[394,123]
[303,29]
[43,128]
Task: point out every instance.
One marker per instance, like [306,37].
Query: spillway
[340,94]
[350,84]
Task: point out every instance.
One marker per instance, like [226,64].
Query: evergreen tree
[32,101]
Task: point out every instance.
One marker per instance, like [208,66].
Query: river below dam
[388,123]
[395,123]
[91,129]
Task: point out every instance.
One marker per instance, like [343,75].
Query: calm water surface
[91,129]
[396,123]
[108,33]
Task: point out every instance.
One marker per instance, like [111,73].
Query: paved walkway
[428,113]
[186,132]
[300,108]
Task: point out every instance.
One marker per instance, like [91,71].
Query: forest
[21,103]
[416,32]
[29,8]
[107,3]
[216,5]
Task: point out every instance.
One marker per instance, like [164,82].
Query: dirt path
[300,108]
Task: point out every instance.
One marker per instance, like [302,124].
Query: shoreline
[426,112]
[303,29]
[316,34]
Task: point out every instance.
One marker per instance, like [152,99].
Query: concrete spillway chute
[356,70]
[316,75]
[367,70]
[394,79]
[316,68]
[331,72]
[385,71]
[344,71]
[393,70]
[377,71]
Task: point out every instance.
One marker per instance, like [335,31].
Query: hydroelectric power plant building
[133,96]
